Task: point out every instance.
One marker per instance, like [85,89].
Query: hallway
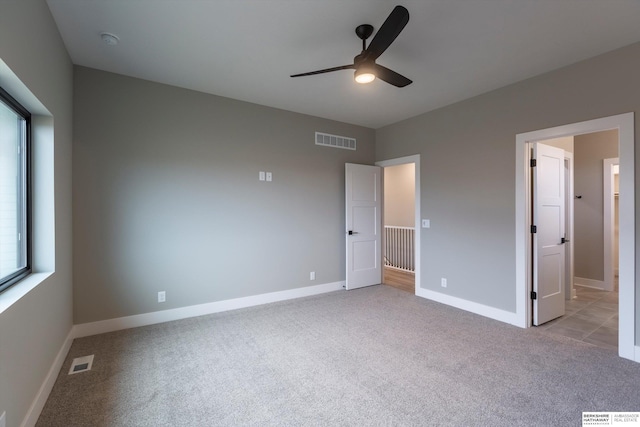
[404,280]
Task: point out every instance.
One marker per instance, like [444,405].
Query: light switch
[269,177]
[426,223]
[261,176]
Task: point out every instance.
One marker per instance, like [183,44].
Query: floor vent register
[81,364]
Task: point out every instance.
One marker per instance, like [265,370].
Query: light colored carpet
[374,356]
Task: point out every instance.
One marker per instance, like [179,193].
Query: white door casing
[363,225]
[569,291]
[548,240]
[608,221]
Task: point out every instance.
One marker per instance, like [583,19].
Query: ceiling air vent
[335,141]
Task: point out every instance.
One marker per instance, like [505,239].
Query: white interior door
[549,236]
[363,223]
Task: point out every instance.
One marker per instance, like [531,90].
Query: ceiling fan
[365,63]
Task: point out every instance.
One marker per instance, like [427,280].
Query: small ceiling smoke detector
[109,39]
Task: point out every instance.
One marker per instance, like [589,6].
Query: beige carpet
[375,356]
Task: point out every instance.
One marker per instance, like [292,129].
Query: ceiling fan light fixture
[364,74]
[365,63]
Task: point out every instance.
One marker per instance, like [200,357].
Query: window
[15,195]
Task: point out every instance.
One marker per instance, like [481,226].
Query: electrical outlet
[269,176]
[443,282]
[426,223]
[162,296]
[3,420]
[312,275]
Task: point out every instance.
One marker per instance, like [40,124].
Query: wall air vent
[335,141]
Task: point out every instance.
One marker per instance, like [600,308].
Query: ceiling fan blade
[391,77]
[388,32]
[326,70]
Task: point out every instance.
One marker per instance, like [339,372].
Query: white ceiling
[246,49]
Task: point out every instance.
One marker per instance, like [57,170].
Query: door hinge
[532,163]
[534,229]
[534,295]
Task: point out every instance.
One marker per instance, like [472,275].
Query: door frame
[570,291]
[415,159]
[608,220]
[627,295]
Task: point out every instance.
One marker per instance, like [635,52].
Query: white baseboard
[589,283]
[473,307]
[110,325]
[47,385]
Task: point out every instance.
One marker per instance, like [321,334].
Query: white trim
[110,325]
[38,403]
[473,307]
[608,220]
[590,283]
[625,125]
[569,229]
[397,227]
[637,354]
[13,294]
[415,159]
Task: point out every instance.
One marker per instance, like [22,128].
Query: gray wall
[399,195]
[167,197]
[590,150]
[34,329]
[468,167]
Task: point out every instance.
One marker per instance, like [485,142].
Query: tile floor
[591,317]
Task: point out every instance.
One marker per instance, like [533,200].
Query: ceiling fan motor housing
[364,31]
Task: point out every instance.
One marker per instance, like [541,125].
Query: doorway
[624,123]
[590,312]
[401,220]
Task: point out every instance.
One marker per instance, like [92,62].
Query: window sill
[20,289]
